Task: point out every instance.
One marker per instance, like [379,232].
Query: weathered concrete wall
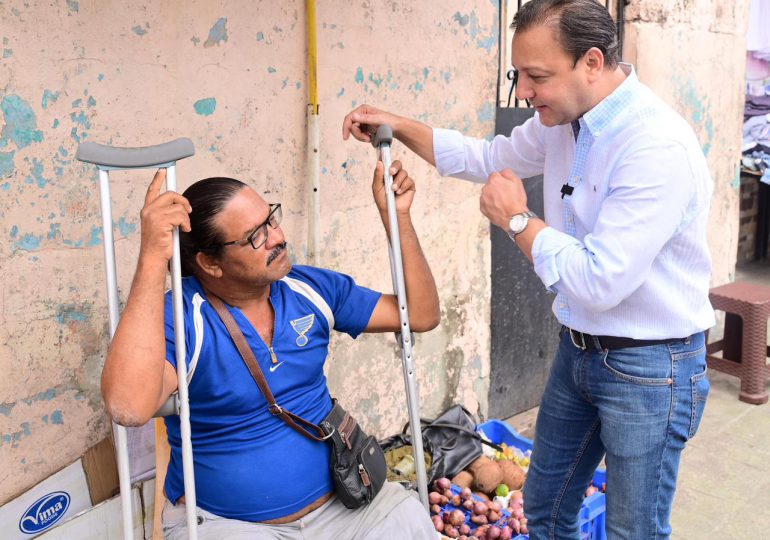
[232,76]
[692,53]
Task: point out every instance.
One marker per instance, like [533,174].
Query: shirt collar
[607,109]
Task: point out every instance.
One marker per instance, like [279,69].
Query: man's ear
[593,60]
[208,264]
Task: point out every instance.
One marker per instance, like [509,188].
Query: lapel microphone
[566,189]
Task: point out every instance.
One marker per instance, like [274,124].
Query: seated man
[255,476]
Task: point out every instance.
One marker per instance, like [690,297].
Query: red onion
[456,517]
[493,533]
[443,484]
[451,532]
[479,519]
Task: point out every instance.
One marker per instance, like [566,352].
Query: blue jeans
[636,406]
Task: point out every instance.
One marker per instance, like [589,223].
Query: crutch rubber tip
[384,135]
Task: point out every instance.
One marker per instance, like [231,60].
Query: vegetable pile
[484,501]
[458,513]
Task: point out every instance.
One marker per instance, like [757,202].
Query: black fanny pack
[358,463]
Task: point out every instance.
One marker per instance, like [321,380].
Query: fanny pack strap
[256,372]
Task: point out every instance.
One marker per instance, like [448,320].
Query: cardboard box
[55,499]
[90,480]
[102,522]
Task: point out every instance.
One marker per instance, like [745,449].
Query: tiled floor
[724,480]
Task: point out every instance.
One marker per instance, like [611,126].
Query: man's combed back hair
[578,25]
[207,197]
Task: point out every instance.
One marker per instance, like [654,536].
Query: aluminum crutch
[382,141]
[108,158]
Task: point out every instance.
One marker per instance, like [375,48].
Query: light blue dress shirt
[626,253]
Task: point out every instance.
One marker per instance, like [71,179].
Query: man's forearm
[418,137]
[526,239]
[132,379]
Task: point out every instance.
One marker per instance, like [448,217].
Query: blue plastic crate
[593,510]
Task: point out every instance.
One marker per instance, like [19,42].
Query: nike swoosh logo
[276,366]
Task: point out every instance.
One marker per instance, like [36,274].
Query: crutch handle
[169,408]
[384,135]
[111,157]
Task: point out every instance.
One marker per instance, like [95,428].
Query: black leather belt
[585,341]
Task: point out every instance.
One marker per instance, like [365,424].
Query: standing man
[623,246]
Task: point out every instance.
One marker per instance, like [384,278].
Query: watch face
[517,223]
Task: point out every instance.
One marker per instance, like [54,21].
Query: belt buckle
[275,409]
[582,344]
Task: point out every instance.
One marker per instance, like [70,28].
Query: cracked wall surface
[232,76]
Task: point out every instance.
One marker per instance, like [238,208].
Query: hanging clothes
[758,36]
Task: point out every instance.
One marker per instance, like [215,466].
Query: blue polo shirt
[250,465]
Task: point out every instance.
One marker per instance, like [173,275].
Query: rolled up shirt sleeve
[545,255]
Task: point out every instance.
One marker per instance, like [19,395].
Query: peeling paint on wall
[20,123]
[217,33]
[699,110]
[205,106]
[7,166]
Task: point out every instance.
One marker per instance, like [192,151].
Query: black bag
[358,463]
[452,440]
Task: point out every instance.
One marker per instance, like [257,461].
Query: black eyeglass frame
[275,215]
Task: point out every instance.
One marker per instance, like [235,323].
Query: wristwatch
[518,223]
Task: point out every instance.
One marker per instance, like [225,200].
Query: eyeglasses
[258,238]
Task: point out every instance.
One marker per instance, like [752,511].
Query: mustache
[277,251]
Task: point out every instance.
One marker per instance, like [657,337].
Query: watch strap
[529,214]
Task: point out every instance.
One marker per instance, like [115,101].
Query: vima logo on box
[44,512]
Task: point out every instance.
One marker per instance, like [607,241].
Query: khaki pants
[394,513]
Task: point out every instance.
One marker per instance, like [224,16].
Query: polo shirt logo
[301,326]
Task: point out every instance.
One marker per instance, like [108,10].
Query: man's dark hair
[578,26]
[207,197]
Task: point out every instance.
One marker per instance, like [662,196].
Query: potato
[487,477]
[464,479]
[513,475]
[480,462]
